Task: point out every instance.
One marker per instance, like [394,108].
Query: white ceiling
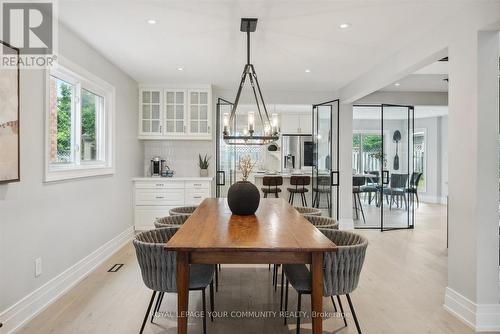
[204,38]
[420,83]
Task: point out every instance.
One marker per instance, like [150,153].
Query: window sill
[61,174]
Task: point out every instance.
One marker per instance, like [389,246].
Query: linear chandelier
[270,130]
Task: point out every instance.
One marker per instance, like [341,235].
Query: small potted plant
[203,163]
[243,197]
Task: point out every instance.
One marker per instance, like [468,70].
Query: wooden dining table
[276,234]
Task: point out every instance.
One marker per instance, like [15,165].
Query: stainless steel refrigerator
[297,152]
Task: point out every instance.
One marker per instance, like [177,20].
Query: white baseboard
[346,224]
[480,317]
[27,308]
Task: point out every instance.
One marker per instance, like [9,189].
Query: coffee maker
[157,166]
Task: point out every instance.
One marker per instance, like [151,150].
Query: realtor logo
[28,26]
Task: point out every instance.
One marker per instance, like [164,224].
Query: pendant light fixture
[268,132]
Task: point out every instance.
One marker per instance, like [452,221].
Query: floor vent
[115,268]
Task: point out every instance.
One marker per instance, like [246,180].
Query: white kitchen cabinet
[305,121]
[294,123]
[290,123]
[150,112]
[183,113]
[154,197]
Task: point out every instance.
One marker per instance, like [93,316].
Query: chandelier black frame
[270,130]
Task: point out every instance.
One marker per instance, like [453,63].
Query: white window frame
[105,161]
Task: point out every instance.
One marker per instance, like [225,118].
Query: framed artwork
[9,119]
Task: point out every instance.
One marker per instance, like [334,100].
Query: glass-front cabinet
[150,120]
[175,116]
[175,113]
[199,107]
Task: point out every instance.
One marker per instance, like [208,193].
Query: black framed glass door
[396,204]
[325,170]
[383,166]
[225,154]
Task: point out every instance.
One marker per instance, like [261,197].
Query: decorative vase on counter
[204,172]
[243,198]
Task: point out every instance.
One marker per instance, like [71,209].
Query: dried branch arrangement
[246,166]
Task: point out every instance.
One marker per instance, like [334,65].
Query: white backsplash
[180,155]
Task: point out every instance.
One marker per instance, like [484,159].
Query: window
[366,152]
[419,157]
[79,125]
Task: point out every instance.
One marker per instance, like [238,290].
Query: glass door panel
[225,154]
[397,150]
[325,175]
[368,165]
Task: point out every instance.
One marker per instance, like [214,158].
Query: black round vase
[243,198]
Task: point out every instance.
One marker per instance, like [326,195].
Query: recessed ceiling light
[397,84]
[307,70]
[152,21]
[344,25]
[180,68]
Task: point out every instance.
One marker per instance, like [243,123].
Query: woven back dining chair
[159,270]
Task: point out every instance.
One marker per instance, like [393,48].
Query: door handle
[223,183]
[334,184]
[385,177]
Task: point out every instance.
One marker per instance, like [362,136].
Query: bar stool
[300,182]
[272,183]
[323,187]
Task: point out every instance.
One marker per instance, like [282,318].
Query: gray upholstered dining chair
[170,221]
[178,220]
[304,210]
[396,190]
[322,222]
[341,272]
[182,210]
[159,270]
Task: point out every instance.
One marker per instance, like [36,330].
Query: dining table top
[276,227]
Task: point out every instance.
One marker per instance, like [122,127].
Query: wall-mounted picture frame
[9,119]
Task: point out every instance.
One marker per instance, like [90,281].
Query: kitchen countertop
[174,178]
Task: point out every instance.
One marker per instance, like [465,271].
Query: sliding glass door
[325,172]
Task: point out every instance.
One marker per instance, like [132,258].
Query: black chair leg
[216,279]
[265,195]
[212,301]
[147,312]
[276,195]
[299,302]
[356,207]
[361,208]
[204,304]
[282,283]
[157,306]
[334,306]
[305,199]
[353,314]
[342,310]
[286,299]
[418,202]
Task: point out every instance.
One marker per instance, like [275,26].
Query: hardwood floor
[401,291]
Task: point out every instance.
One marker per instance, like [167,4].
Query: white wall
[62,222]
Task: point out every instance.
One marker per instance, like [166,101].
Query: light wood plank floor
[401,291]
